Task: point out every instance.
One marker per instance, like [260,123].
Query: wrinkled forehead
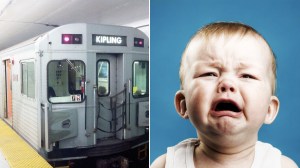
[217,43]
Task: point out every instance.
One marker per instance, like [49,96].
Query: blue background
[173,22]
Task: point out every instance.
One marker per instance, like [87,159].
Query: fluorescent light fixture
[3,5]
[142,25]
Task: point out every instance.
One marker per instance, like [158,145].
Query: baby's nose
[226,86]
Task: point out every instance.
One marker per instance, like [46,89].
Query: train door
[138,117]
[110,90]
[66,97]
[8,90]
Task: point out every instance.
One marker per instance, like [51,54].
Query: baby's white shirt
[181,155]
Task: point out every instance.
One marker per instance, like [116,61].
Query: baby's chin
[226,132]
[227,126]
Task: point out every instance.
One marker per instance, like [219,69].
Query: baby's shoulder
[287,162]
[273,156]
[178,150]
[159,162]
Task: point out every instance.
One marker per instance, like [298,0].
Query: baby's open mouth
[227,106]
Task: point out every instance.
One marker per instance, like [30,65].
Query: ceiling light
[3,5]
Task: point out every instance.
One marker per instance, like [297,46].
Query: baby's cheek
[196,118]
[258,110]
[198,107]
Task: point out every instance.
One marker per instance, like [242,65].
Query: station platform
[17,153]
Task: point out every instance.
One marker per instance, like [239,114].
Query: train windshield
[140,79]
[66,81]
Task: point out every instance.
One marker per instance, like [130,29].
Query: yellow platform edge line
[17,152]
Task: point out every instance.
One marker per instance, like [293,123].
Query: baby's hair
[226,29]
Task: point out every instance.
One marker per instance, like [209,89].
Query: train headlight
[71,38]
[138,42]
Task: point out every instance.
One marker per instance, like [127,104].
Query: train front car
[95,90]
[92,91]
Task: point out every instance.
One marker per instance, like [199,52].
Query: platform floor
[16,153]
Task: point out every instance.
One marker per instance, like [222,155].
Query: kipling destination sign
[112,40]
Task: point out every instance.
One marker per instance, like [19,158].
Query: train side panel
[23,78]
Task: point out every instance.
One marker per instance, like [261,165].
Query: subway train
[79,91]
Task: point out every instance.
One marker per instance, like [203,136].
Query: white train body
[79,90]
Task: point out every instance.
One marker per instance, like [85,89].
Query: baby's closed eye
[209,74]
[248,76]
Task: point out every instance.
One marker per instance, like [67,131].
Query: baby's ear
[180,104]
[272,110]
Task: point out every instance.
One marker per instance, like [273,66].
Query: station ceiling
[24,19]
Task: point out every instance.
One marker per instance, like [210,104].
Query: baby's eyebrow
[215,64]
[243,65]
[201,64]
[239,65]
[219,65]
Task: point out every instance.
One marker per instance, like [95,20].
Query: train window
[140,79]
[66,81]
[103,77]
[28,79]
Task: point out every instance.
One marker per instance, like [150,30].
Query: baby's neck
[240,156]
